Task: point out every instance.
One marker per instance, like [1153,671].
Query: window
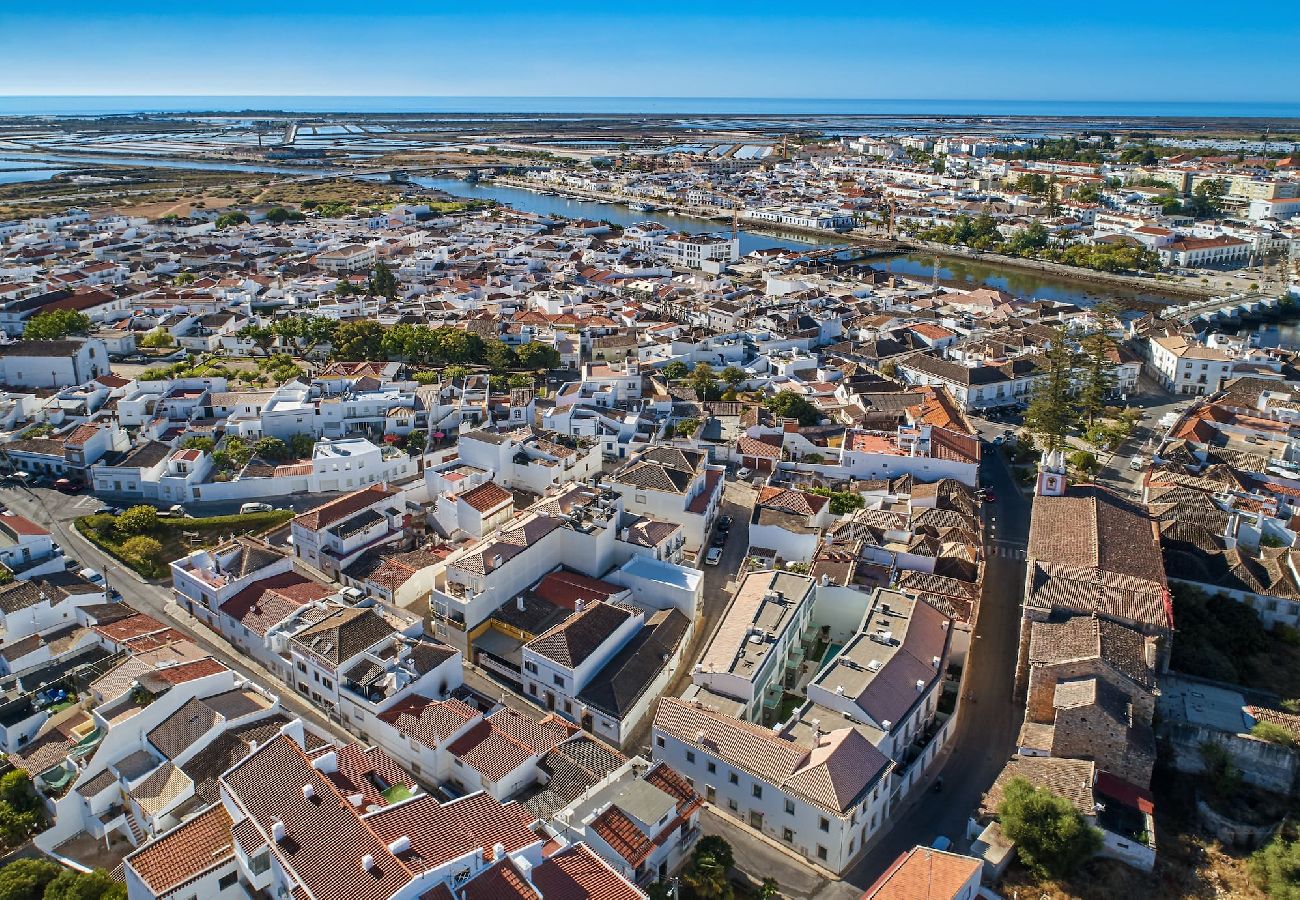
[733,778]
[690,756]
[260,863]
[789,807]
[732,805]
[757,791]
[226,881]
[530,667]
[824,823]
[558,679]
[659,742]
[787,835]
[302,667]
[712,767]
[821,852]
[326,683]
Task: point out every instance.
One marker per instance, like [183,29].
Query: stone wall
[1270,767]
[1230,831]
[1044,678]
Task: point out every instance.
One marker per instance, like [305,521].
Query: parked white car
[713,557]
[255,507]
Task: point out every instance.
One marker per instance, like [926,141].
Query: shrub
[1275,868]
[142,549]
[137,520]
[1051,836]
[1273,733]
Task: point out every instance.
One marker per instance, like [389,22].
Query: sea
[624,106]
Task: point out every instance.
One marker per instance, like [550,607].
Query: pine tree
[1051,410]
[1098,368]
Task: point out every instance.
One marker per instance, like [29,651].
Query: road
[738,502]
[986,730]
[56,511]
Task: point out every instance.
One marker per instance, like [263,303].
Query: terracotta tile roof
[792,500]
[501,881]
[131,627]
[623,835]
[325,840]
[187,851]
[757,447]
[341,635]
[487,496]
[504,741]
[1070,778]
[431,722]
[329,513]
[272,600]
[576,873]
[564,588]
[572,641]
[178,732]
[441,832]
[925,874]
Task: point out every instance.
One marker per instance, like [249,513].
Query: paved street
[737,502]
[986,730]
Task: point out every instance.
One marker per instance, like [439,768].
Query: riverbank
[878,245]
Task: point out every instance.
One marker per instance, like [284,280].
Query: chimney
[308,792]
[400,846]
[277,831]
[498,851]
[920,685]
[326,764]
[578,605]
[519,603]
[368,862]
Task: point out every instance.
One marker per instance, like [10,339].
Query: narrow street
[987,727]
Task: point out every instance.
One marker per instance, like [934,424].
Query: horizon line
[664,97]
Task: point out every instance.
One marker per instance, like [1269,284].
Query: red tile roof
[441,832]
[336,510]
[487,496]
[186,852]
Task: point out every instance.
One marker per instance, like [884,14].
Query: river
[1024,283]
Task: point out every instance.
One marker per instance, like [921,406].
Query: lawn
[175,536]
[397,793]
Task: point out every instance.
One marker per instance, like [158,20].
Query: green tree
[26,879]
[15,826]
[706,879]
[226,220]
[197,442]
[272,448]
[261,336]
[789,405]
[157,339]
[56,325]
[519,380]
[1098,364]
[536,355]
[1275,868]
[358,340]
[301,445]
[1051,409]
[1206,201]
[142,548]
[183,279]
[732,376]
[1051,836]
[498,355]
[279,215]
[675,370]
[1085,462]
[703,380]
[383,283]
[96,885]
[16,790]
[716,847]
[456,373]
[137,520]
[770,889]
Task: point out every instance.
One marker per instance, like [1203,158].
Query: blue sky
[990,49]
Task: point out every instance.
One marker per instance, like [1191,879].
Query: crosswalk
[1006,552]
